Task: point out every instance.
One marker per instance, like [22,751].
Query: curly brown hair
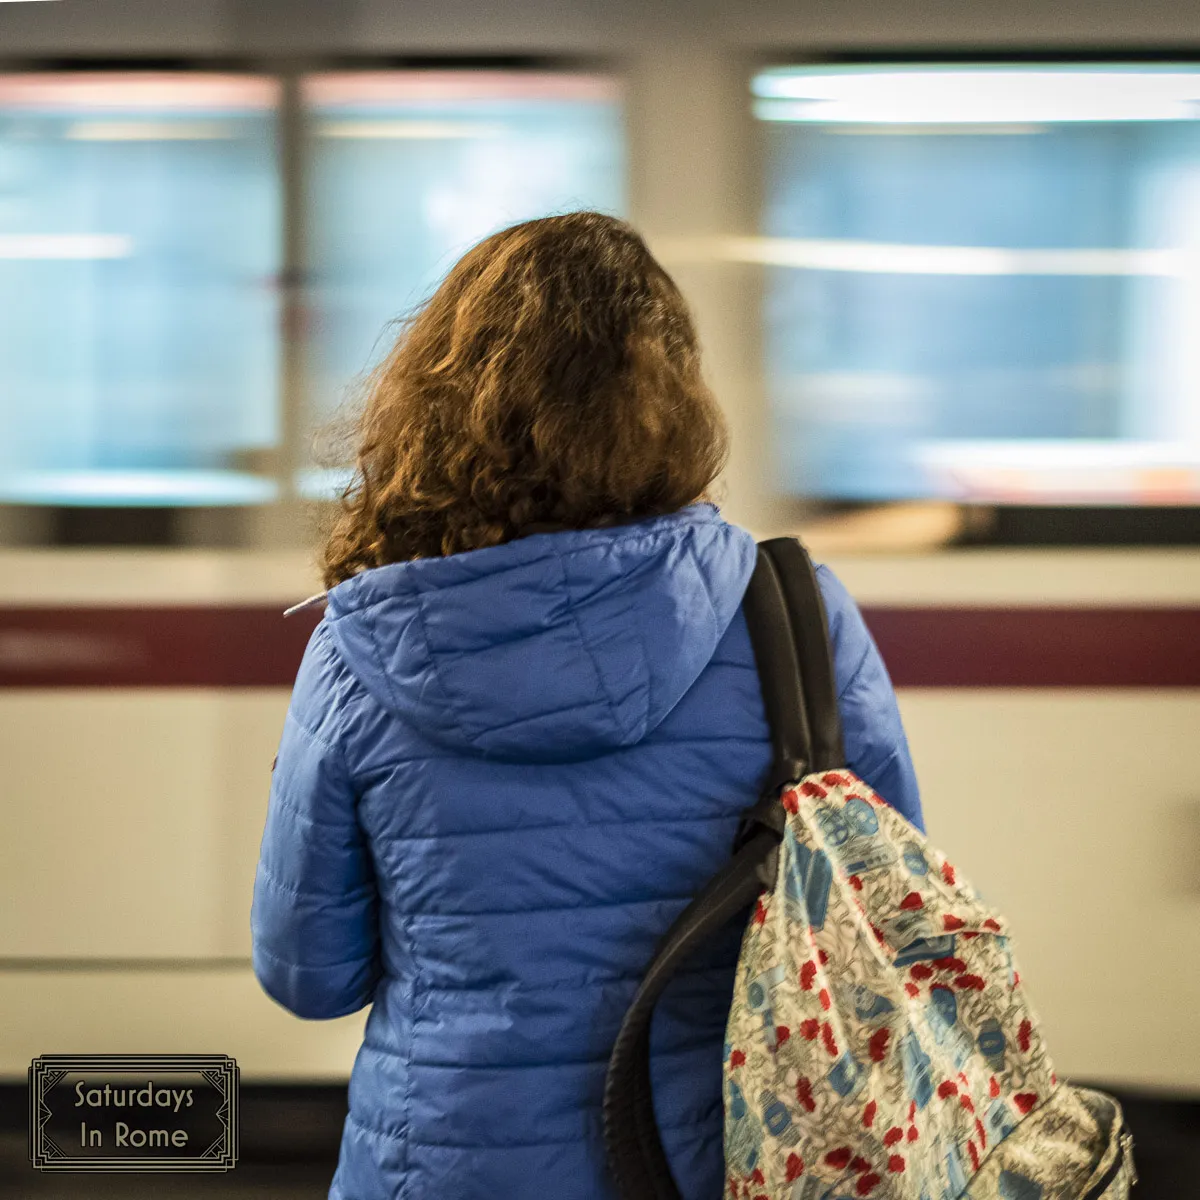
[552,381]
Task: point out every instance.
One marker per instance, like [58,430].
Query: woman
[521,737]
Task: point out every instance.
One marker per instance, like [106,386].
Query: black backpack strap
[777,660]
[814,654]
[635,1152]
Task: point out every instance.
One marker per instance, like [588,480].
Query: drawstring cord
[311,602]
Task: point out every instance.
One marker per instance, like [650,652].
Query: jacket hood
[553,647]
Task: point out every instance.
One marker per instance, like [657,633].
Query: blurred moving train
[959,275]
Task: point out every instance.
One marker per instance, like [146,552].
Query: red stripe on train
[1039,647]
[193,646]
[254,646]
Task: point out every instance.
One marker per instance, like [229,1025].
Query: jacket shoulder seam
[602,693]
[297,811]
[345,677]
[858,670]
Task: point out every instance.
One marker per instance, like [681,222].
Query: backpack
[880,1043]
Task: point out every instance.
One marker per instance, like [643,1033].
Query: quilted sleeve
[315,915]
[875,742]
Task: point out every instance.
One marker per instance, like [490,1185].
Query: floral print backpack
[880,1042]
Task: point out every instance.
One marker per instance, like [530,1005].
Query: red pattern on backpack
[879,1044]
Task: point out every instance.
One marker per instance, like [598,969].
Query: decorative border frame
[218,1070]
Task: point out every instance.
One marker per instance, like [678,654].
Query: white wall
[1078,815]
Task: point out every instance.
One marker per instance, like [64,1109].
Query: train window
[407,169]
[139,251]
[983,280]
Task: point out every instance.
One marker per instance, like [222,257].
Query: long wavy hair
[552,381]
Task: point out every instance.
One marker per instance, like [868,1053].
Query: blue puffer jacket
[502,775]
